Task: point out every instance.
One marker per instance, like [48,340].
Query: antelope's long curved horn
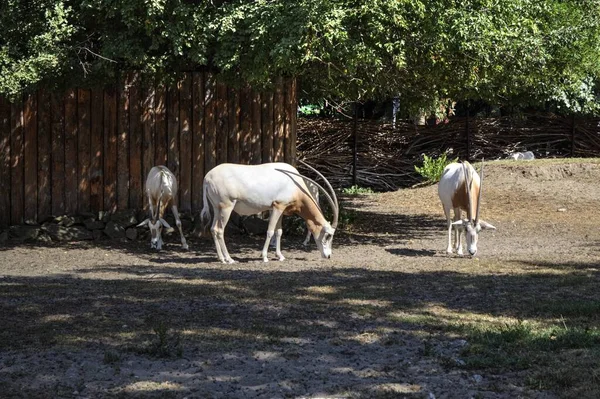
[337,208]
[479,195]
[468,184]
[329,199]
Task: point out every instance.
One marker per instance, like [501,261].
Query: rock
[97,234]
[3,237]
[561,210]
[65,220]
[92,224]
[104,216]
[477,378]
[254,225]
[131,233]
[526,155]
[114,230]
[44,237]
[125,218]
[25,232]
[62,233]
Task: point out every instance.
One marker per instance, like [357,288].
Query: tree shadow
[330,324]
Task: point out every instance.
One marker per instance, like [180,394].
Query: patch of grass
[355,190]
[111,357]
[521,344]
[165,343]
[571,309]
[433,168]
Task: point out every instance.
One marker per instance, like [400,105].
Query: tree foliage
[500,51]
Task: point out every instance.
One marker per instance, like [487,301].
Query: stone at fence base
[25,232]
[97,234]
[125,218]
[92,224]
[62,233]
[131,233]
[114,230]
[255,225]
[44,237]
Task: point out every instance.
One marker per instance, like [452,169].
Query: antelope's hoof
[266,260]
[228,261]
[281,258]
[185,247]
[449,251]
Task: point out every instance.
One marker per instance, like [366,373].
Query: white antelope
[161,188]
[278,187]
[460,189]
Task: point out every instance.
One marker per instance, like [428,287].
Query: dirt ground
[95,320]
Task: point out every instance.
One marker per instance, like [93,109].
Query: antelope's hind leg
[178,223]
[222,214]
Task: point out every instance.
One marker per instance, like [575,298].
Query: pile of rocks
[87,226]
[121,225]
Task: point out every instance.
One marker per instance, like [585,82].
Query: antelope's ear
[459,224]
[486,225]
[145,222]
[164,223]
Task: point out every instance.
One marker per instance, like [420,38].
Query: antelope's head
[156,224]
[472,225]
[323,234]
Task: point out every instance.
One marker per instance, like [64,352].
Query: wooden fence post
[355,149]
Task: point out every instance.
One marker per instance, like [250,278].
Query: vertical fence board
[210,139]
[256,127]
[96,151]
[44,156]
[135,144]
[293,118]
[267,127]
[149,124]
[233,147]
[222,123]
[123,144]
[173,132]
[185,142]
[287,121]
[57,106]
[197,139]
[111,132]
[160,132]
[83,149]
[245,125]
[278,128]
[16,162]
[30,156]
[71,151]
[5,188]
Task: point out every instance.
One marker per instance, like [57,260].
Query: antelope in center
[460,188]
[278,187]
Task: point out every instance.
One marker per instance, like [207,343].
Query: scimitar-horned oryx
[278,187]
[161,188]
[460,189]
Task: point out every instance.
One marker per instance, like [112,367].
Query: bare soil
[96,320]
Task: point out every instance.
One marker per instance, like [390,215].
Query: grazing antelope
[161,187]
[278,187]
[460,189]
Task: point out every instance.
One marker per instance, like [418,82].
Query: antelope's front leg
[278,234]
[273,222]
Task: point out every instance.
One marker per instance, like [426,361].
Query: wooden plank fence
[90,149]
